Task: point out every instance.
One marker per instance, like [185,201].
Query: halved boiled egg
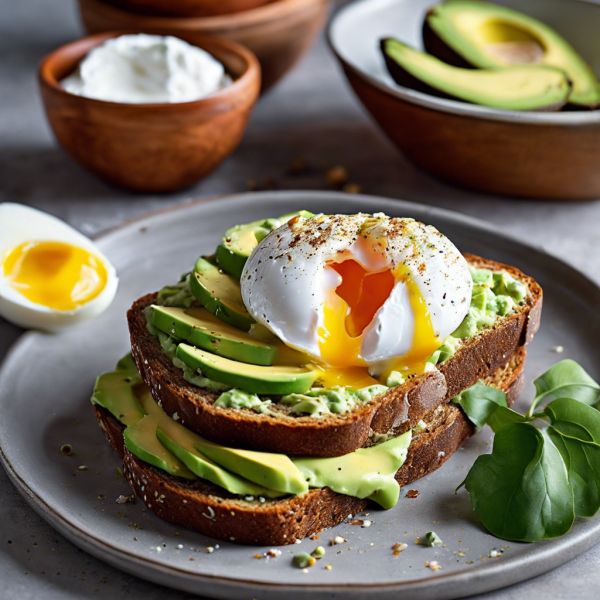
[361,295]
[51,276]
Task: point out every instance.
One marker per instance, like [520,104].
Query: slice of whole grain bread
[397,410]
[212,511]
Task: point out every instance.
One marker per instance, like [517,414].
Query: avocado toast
[261,464]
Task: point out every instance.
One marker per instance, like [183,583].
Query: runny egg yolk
[350,308]
[55,274]
[425,342]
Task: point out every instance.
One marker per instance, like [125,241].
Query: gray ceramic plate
[46,380]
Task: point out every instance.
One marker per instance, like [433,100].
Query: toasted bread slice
[209,509]
[397,410]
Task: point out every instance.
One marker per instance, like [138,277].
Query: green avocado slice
[116,392]
[485,35]
[274,471]
[240,240]
[202,329]
[524,87]
[184,443]
[364,473]
[220,293]
[254,379]
[141,440]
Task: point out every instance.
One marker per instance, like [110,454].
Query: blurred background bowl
[528,154]
[150,147]
[187,8]
[279,33]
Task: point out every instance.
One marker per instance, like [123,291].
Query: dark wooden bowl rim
[272,11]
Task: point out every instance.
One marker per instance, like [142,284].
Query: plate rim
[478,577]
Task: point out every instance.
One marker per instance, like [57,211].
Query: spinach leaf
[575,431]
[502,416]
[479,402]
[521,490]
[565,379]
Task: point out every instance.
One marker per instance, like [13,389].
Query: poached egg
[360,296]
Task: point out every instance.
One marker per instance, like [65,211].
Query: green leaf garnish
[565,379]
[575,431]
[536,481]
[521,490]
[479,402]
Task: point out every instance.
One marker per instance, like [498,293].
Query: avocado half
[470,33]
[521,87]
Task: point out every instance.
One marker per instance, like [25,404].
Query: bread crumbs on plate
[338,539]
[399,547]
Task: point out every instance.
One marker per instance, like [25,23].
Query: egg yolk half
[347,312]
[55,274]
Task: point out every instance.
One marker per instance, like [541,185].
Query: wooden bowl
[279,33]
[188,8]
[527,154]
[150,147]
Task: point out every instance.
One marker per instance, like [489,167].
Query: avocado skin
[402,77]
[436,46]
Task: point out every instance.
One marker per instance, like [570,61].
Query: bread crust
[398,410]
[209,509]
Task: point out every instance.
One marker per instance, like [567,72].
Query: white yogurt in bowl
[147,69]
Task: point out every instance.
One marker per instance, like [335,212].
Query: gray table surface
[311,115]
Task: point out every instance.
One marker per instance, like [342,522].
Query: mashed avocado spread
[236,398]
[494,295]
[338,400]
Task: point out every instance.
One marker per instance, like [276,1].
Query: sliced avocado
[116,392]
[220,293]
[202,329]
[364,473]
[478,34]
[525,87]
[182,443]
[140,440]
[146,400]
[256,379]
[274,471]
[239,241]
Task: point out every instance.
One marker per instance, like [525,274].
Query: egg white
[20,224]
[285,281]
